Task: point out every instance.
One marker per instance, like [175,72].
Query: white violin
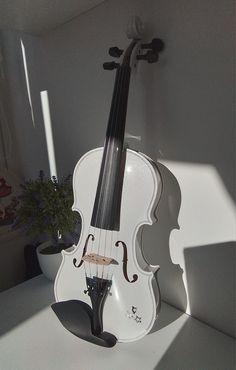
[105,289]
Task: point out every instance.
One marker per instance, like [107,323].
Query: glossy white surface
[31,338]
[136,210]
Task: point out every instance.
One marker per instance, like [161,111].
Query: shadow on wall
[170,274]
[198,347]
[210,271]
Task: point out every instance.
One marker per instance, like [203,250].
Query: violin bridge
[98,260]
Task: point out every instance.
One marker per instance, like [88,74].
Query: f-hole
[84,251]
[125,262]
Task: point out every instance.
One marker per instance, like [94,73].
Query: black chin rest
[76,316]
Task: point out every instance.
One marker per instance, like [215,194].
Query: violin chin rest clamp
[76,316]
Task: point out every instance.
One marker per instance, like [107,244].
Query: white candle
[48,132]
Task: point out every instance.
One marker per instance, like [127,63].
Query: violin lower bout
[130,308]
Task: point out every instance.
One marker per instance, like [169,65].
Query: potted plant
[45,212]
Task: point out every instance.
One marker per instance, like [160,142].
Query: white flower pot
[49,263]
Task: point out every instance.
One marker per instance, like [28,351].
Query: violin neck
[116,123]
[106,211]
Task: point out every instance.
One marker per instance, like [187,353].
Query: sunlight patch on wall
[27,80]
[48,132]
[207,212]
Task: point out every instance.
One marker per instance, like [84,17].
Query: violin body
[133,297]
[105,289]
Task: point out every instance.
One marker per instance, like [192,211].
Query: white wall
[12,263]
[24,142]
[183,109]
[28,154]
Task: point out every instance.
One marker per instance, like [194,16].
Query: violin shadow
[156,248]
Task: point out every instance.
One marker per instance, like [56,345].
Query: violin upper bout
[142,188]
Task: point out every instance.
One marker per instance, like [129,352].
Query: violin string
[87,263]
[91,243]
[95,268]
[110,256]
[120,106]
[105,249]
[114,116]
[109,266]
[115,256]
[84,267]
[116,249]
[99,245]
[103,254]
[99,249]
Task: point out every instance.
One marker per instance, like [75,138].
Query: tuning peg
[156,45]
[115,52]
[110,65]
[150,56]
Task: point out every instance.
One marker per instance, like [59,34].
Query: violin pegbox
[139,51]
[147,52]
[115,52]
[134,31]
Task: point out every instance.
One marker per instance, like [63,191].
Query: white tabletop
[32,338]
